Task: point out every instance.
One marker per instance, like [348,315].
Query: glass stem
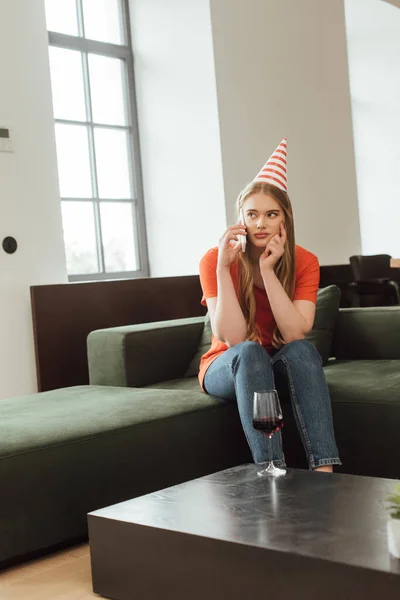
[270,450]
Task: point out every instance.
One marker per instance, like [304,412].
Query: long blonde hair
[285,268]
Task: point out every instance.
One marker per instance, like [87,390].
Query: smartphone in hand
[242,238]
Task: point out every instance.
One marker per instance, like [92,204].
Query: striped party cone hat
[274,170]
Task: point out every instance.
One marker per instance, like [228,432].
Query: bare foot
[326,468]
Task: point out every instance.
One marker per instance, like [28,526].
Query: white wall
[179,132]
[281,71]
[373,32]
[29,201]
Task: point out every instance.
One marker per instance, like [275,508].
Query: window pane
[117,228]
[107,77]
[111,148]
[73,161]
[103,21]
[61,16]
[67,84]
[79,237]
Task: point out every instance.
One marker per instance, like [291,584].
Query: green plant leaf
[394,502]
[394,499]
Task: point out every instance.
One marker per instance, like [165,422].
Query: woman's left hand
[274,250]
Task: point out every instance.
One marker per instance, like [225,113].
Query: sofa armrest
[367,333]
[139,355]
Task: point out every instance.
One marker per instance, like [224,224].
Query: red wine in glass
[268,418]
[268,425]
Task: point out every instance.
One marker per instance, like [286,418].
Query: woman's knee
[251,349]
[303,352]
[252,354]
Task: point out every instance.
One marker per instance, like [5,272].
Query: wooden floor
[64,575]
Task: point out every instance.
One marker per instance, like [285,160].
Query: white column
[281,71]
[373,31]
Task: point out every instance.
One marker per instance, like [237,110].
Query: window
[98,157]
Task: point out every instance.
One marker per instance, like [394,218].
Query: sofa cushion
[321,336]
[140,354]
[77,413]
[187,384]
[367,333]
[327,309]
[364,381]
[203,347]
[365,397]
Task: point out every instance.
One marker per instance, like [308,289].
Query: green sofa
[142,425]
[362,372]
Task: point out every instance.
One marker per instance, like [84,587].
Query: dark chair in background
[373,284]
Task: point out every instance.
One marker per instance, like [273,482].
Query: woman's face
[262,216]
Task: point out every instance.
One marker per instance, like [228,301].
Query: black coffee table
[234,535]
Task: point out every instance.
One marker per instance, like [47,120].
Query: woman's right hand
[230,245]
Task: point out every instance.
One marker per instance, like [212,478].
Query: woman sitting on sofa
[261,297]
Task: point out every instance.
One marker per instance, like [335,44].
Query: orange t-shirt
[306,288]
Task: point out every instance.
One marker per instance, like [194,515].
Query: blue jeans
[247,368]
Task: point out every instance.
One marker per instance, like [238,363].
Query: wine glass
[268,418]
